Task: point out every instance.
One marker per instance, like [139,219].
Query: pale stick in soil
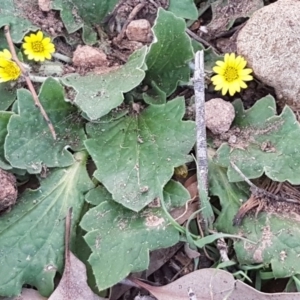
[201,148]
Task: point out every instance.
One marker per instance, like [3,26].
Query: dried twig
[258,192]
[200,39]
[257,199]
[28,81]
[131,16]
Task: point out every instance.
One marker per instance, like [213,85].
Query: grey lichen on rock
[270,42]
[8,190]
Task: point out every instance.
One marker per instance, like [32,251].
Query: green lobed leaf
[12,14]
[97,95]
[275,235]
[4,119]
[169,54]
[77,14]
[155,95]
[32,233]
[183,9]
[29,144]
[121,239]
[266,143]
[136,155]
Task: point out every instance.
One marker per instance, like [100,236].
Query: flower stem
[62,57]
[28,81]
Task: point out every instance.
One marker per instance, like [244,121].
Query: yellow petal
[231,60]
[238,61]
[47,55]
[237,86]
[232,90]
[218,87]
[220,63]
[218,70]
[27,39]
[50,49]
[245,72]
[3,62]
[226,58]
[225,89]
[242,84]
[5,54]
[247,78]
[39,35]
[217,79]
[26,46]
[46,41]
[243,64]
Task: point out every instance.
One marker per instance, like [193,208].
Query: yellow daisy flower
[231,74]
[37,47]
[9,70]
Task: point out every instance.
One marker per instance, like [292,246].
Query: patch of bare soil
[49,21]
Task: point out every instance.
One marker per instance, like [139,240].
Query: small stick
[62,57]
[256,191]
[131,16]
[200,40]
[28,81]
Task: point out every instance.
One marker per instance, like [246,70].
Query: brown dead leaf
[73,284]
[192,186]
[27,294]
[182,214]
[211,284]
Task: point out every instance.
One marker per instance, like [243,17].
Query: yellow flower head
[231,74]
[37,47]
[9,70]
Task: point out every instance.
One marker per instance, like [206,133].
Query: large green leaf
[136,155]
[275,235]
[32,233]
[169,54]
[12,14]
[4,118]
[121,239]
[266,143]
[97,95]
[29,144]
